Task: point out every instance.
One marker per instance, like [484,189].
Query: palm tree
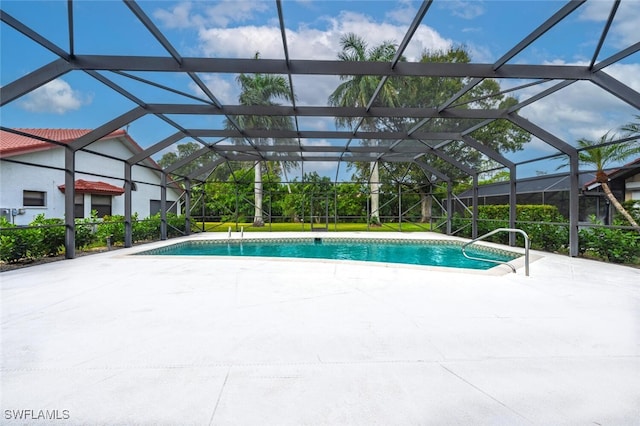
[357,90]
[601,154]
[262,89]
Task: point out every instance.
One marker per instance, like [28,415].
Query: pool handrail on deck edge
[495,231]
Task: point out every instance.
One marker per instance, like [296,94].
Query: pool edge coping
[498,270]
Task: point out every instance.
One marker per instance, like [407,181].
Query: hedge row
[549,233]
[542,232]
[46,236]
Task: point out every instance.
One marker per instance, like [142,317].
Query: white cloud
[229,11]
[465,9]
[310,43]
[323,143]
[57,97]
[313,90]
[220,14]
[595,11]
[241,42]
[583,110]
[218,38]
[480,53]
[425,38]
[624,30]
[316,123]
[323,168]
[403,14]
[221,87]
[628,73]
[178,17]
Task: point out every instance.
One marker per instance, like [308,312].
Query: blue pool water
[428,253]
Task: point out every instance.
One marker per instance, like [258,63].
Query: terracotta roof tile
[90,187]
[14,144]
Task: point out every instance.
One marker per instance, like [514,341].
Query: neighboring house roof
[628,170]
[12,144]
[94,187]
[15,144]
[537,184]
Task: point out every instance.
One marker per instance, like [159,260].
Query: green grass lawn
[298,227]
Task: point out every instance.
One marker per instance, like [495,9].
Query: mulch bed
[4,267]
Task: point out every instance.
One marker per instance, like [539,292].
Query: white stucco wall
[632,186]
[15,178]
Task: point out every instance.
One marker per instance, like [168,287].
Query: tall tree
[357,90]
[602,154]
[184,150]
[431,92]
[262,89]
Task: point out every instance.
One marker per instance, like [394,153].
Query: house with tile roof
[32,176]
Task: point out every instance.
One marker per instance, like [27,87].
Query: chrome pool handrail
[495,231]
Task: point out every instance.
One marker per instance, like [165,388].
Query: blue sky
[488,29]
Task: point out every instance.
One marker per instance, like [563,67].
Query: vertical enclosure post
[449,206]
[512,204]
[187,206]
[128,228]
[399,207]
[335,206]
[573,203]
[237,205]
[69,203]
[203,200]
[474,219]
[163,206]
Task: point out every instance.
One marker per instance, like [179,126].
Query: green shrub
[631,206]
[146,229]
[113,227]
[46,237]
[175,225]
[142,230]
[544,235]
[7,240]
[149,229]
[612,245]
[18,243]
[461,225]
[51,235]
[85,235]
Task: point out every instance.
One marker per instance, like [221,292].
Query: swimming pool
[412,252]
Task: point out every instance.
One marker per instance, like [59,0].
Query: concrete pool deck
[117,339]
